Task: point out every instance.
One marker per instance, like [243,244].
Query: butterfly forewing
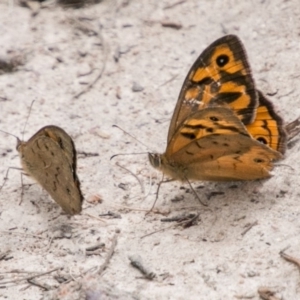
[220,76]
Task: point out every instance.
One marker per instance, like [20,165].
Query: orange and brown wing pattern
[267,127]
[215,121]
[213,144]
[220,76]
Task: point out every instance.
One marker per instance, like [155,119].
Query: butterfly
[49,157]
[222,128]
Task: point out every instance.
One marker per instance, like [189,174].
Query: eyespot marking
[222,60]
[262,140]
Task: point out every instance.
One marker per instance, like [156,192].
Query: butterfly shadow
[228,203]
[42,205]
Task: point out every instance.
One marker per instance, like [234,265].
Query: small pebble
[136,87]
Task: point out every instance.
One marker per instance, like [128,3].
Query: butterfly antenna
[131,136]
[285,165]
[27,119]
[127,154]
[9,134]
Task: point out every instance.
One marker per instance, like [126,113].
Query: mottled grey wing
[50,158]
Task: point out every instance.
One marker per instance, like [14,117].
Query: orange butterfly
[222,128]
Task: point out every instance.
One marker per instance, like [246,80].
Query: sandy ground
[142,66]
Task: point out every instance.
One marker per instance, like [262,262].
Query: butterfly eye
[215,119]
[190,136]
[222,60]
[258,160]
[262,140]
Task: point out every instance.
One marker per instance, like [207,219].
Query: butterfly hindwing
[49,157]
[206,122]
[215,145]
[268,127]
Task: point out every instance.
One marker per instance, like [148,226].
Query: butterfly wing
[50,158]
[207,122]
[292,129]
[237,158]
[213,144]
[220,76]
[267,127]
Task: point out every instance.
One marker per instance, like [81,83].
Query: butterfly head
[155,160]
[19,145]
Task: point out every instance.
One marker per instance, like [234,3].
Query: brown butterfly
[49,157]
[222,128]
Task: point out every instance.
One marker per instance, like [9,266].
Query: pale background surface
[62,53]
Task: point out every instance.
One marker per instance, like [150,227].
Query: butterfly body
[222,128]
[49,157]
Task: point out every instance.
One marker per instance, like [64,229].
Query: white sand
[210,260]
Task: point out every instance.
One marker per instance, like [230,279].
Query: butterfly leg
[23,185]
[6,176]
[5,179]
[197,196]
[157,192]
[22,190]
